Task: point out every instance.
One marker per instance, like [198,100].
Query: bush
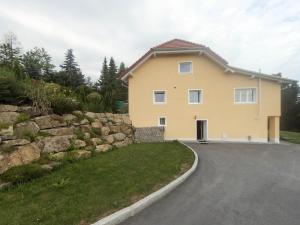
[11,89]
[61,104]
[22,117]
[24,173]
[35,90]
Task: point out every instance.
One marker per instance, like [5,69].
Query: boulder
[28,126]
[8,108]
[96,124]
[103,120]
[8,131]
[105,131]
[9,117]
[120,144]
[22,155]
[77,113]
[96,141]
[103,148]
[91,115]
[84,122]
[126,119]
[109,139]
[119,136]
[87,135]
[86,128]
[126,129]
[50,121]
[55,143]
[115,129]
[79,143]
[16,142]
[57,156]
[46,167]
[59,131]
[69,117]
[30,111]
[80,154]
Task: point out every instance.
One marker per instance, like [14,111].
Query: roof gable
[178,46]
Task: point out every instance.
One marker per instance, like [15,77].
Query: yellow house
[196,95]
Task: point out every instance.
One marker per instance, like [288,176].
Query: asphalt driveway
[242,184]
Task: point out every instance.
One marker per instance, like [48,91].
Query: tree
[37,64]
[122,87]
[290,108]
[71,72]
[108,85]
[10,52]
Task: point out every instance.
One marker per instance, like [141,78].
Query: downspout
[259,97]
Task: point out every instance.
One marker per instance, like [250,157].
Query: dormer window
[185,67]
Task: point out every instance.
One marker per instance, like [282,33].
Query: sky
[251,34]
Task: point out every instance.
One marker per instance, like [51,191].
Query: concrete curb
[133,209]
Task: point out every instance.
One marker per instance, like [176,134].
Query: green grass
[85,191]
[290,136]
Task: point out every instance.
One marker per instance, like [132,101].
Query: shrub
[11,89]
[35,90]
[22,117]
[61,104]
[24,173]
[79,134]
[25,133]
[4,126]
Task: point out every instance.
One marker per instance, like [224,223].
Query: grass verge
[290,136]
[83,192]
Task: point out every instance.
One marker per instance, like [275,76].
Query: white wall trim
[153,97]
[244,103]
[158,121]
[185,73]
[201,96]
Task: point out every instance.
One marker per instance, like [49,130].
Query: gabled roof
[178,46]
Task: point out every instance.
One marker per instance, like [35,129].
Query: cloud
[251,34]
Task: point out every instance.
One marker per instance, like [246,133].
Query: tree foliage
[70,71]
[290,108]
[37,64]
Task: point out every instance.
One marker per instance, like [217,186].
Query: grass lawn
[83,192]
[290,136]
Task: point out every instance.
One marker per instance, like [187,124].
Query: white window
[162,122]
[185,67]
[159,97]
[195,96]
[244,95]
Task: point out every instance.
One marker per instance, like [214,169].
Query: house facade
[195,95]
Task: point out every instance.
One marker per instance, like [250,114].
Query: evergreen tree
[290,108]
[122,87]
[37,64]
[108,85]
[71,72]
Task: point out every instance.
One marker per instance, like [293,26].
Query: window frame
[190,72]
[247,102]
[159,103]
[201,96]
[158,121]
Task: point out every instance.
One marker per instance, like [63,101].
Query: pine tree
[122,87]
[72,74]
[108,85]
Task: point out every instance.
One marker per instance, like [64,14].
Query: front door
[201,130]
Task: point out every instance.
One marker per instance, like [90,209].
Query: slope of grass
[82,192]
[290,136]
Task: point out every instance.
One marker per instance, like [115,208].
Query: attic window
[185,67]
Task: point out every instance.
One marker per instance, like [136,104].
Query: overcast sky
[252,34]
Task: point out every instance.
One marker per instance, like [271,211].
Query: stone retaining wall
[25,134]
[149,134]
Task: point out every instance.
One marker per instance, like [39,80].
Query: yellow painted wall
[226,120]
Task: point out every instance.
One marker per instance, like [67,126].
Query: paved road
[242,184]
